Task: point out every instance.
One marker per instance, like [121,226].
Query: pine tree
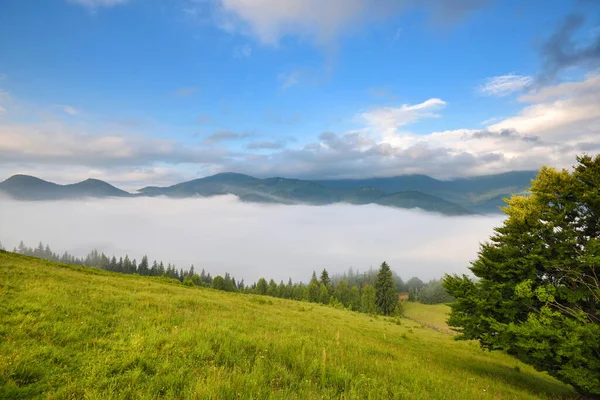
[385,290]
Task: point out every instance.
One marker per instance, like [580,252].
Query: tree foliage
[385,289]
[368,300]
[538,290]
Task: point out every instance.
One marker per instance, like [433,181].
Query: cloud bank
[248,240]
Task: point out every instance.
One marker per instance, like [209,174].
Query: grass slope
[71,332]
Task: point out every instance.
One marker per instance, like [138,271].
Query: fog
[252,240]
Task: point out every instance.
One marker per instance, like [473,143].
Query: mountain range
[463,196]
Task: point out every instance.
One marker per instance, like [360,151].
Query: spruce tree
[325,278]
[143,268]
[537,295]
[385,290]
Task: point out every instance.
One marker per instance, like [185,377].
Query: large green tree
[385,290]
[538,290]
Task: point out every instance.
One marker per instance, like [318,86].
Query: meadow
[78,333]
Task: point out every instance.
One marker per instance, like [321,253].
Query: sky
[251,240]
[155,92]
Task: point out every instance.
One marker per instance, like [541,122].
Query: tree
[143,268]
[323,294]
[538,290]
[385,290]
[262,286]
[218,283]
[368,300]
[313,289]
[325,280]
[341,292]
[354,298]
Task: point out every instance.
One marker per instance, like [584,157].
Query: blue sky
[153,92]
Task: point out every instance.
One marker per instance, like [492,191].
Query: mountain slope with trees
[465,196]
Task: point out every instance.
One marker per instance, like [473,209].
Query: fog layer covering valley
[222,234]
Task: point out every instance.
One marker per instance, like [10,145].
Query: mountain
[24,187]
[482,194]
[296,191]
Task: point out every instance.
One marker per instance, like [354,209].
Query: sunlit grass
[70,332]
[431,315]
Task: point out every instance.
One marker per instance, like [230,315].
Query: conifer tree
[537,296]
[313,289]
[385,290]
[143,267]
[323,294]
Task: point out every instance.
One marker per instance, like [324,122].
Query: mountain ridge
[462,196]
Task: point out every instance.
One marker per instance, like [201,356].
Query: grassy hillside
[72,332]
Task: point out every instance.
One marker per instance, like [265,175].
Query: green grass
[433,316]
[69,332]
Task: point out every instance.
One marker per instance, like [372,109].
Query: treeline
[373,291]
[124,265]
[431,292]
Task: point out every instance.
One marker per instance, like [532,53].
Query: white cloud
[562,112]
[388,119]
[2,110]
[93,4]
[270,20]
[501,86]
[63,144]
